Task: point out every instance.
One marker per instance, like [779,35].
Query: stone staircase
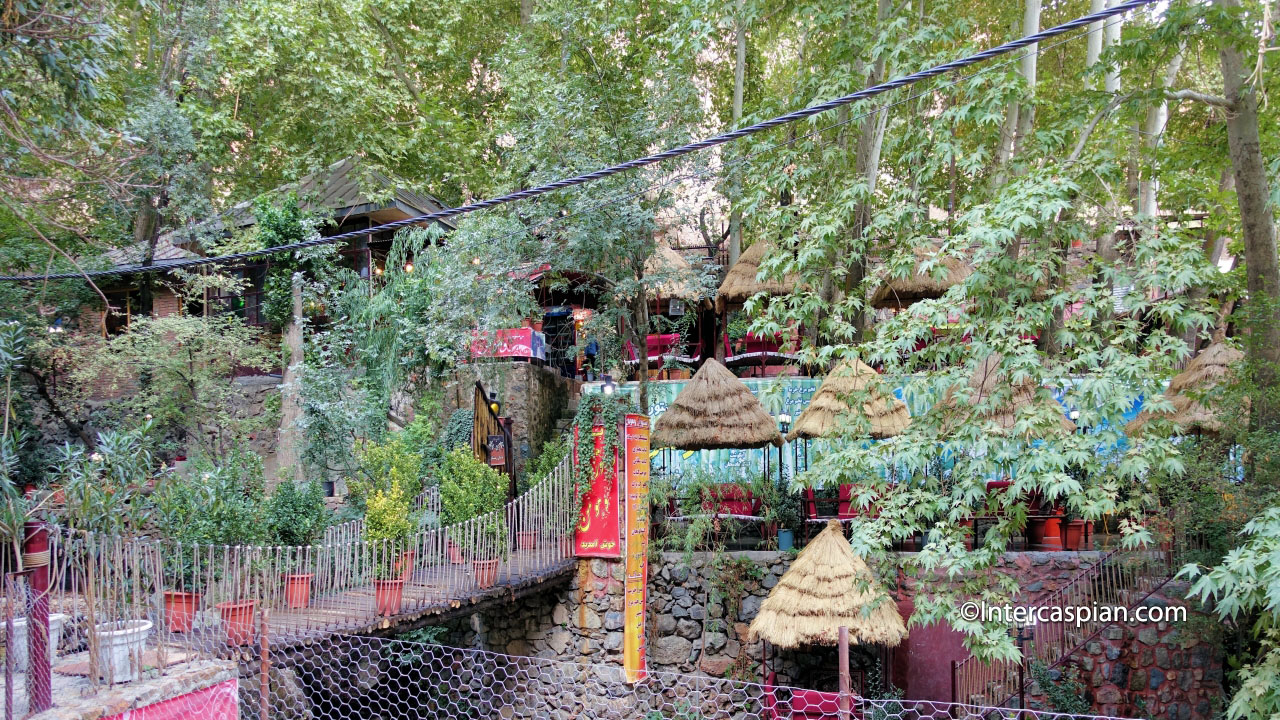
[1120,579]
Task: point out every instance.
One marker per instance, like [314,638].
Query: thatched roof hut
[988,381]
[1205,371]
[740,283]
[715,411]
[888,416]
[898,292]
[676,272]
[826,588]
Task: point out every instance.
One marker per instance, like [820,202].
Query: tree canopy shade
[1071,223]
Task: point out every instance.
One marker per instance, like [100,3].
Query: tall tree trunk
[867,169]
[1258,229]
[1096,30]
[739,80]
[288,439]
[1157,117]
[1110,38]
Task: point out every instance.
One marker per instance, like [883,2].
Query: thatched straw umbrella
[741,283]
[826,588]
[1205,371]
[888,416]
[900,292]
[713,412]
[678,274]
[988,380]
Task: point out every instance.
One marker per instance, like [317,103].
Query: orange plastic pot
[387,595]
[1073,535]
[405,564]
[455,553]
[486,572]
[237,621]
[297,590]
[1053,533]
[526,539]
[180,609]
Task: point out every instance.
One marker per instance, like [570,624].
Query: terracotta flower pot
[387,595]
[966,526]
[537,325]
[1053,533]
[455,553]
[237,621]
[527,539]
[1073,534]
[486,572]
[1035,532]
[59,495]
[297,590]
[180,609]
[406,564]
[568,546]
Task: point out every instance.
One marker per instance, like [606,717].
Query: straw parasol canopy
[988,380]
[740,283]
[899,292]
[678,274]
[715,411]
[1204,372]
[826,588]
[888,415]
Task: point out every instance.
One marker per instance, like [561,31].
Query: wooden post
[844,673]
[264,681]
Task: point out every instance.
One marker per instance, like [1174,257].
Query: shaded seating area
[757,355]
[716,411]
[828,597]
[878,414]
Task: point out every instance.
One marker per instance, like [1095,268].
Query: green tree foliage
[469,488]
[179,370]
[297,514]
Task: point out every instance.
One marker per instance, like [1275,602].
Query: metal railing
[1120,578]
[208,600]
[425,506]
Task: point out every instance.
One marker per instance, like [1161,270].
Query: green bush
[469,488]
[540,467]
[457,433]
[387,527]
[297,514]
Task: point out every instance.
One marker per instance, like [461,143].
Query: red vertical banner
[635,454]
[599,518]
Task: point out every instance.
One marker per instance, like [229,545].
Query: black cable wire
[676,152]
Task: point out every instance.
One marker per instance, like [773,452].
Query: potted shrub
[488,548]
[386,532]
[180,519]
[233,507]
[1073,530]
[470,489]
[297,517]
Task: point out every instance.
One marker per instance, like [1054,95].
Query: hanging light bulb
[408,267]
[475,261]
[377,271]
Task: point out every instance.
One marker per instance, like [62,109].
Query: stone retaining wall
[1150,670]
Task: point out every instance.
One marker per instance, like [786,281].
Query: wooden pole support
[844,673]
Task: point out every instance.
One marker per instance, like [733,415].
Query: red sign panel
[599,518]
[511,342]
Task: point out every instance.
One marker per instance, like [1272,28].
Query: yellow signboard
[635,589]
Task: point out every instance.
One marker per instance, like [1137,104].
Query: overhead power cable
[676,152]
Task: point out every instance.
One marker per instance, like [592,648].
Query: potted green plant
[470,489]
[487,546]
[386,532]
[180,520]
[297,516]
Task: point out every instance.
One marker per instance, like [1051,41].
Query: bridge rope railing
[183,598]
